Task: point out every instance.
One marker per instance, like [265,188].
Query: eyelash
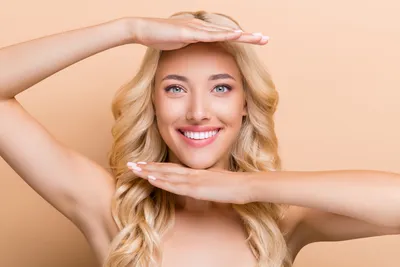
[228,87]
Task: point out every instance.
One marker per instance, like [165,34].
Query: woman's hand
[212,185]
[170,34]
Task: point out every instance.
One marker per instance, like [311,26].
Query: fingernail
[238,31]
[131,164]
[265,38]
[151,177]
[257,33]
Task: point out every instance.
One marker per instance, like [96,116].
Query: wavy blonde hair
[144,213]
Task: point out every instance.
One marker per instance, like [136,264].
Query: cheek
[167,112]
[229,116]
[231,111]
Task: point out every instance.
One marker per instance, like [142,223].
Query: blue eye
[172,89]
[221,88]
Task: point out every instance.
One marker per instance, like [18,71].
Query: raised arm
[25,64]
[335,205]
[70,182]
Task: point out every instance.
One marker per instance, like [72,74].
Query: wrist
[125,29]
[265,187]
[131,25]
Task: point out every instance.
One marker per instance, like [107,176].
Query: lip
[199,143]
[198,128]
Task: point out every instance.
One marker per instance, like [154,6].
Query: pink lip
[199,143]
[197,128]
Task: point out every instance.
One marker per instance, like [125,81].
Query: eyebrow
[185,79]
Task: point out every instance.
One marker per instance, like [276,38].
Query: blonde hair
[144,213]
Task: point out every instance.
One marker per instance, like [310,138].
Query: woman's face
[200,103]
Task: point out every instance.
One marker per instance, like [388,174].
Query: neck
[184,203]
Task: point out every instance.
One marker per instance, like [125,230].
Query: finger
[214,27]
[179,189]
[156,175]
[218,36]
[211,29]
[165,176]
[150,165]
[214,36]
[264,40]
[253,38]
[164,167]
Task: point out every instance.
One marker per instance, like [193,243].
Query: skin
[205,234]
[199,101]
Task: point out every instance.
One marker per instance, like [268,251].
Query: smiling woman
[204,106]
[196,177]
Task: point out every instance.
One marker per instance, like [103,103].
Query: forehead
[197,60]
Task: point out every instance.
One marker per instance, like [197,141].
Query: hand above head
[212,185]
[170,34]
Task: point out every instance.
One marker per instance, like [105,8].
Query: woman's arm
[371,196]
[334,205]
[324,205]
[75,185]
[25,64]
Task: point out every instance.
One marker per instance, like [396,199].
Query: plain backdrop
[335,65]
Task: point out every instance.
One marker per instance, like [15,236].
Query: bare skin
[62,176]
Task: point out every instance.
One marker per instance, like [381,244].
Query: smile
[200,135]
[199,139]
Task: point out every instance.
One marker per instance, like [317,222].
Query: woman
[196,177]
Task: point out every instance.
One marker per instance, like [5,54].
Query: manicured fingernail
[257,33]
[151,177]
[131,164]
[265,38]
[142,162]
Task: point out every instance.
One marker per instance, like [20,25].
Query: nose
[198,108]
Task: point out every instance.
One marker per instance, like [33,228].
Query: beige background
[335,64]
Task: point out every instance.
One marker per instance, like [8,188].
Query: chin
[199,164]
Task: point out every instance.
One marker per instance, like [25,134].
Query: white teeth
[200,135]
